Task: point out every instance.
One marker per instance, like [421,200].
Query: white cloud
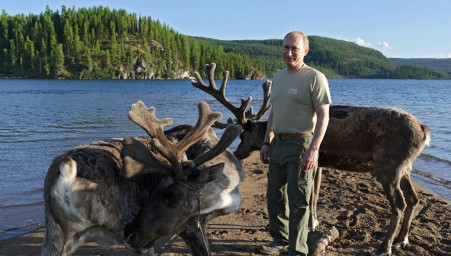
[382,46]
[361,42]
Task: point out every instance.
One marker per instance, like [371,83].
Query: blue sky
[397,28]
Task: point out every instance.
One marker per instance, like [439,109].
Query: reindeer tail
[427,134]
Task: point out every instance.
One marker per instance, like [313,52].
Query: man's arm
[322,116]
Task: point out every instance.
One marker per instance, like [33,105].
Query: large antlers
[219,94]
[145,118]
[266,86]
[144,161]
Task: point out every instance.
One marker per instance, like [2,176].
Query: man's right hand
[264,154]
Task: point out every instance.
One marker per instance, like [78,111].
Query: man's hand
[308,159]
[264,154]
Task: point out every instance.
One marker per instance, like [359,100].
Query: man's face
[294,51]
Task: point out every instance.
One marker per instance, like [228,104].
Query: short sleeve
[321,91]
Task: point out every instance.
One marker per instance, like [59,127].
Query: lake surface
[41,119]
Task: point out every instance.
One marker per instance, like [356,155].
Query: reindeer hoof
[143,251]
[377,253]
[400,244]
[128,242]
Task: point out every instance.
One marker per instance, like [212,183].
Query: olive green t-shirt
[294,96]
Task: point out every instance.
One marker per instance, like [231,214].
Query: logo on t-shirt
[293,91]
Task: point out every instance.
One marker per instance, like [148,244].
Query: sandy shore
[353,203]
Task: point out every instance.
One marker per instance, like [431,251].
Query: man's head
[295,47]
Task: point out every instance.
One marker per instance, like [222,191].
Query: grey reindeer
[381,141]
[139,189]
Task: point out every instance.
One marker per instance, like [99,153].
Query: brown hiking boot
[273,248]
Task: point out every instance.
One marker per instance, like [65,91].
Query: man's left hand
[308,160]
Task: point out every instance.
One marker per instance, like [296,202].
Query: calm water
[41,119]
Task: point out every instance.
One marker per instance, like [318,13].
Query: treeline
[335,58]
[347,59]
[99,43]
[102,43]
[439,64]
[266,53]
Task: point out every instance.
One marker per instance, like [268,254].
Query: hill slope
[335,58]
[439,64]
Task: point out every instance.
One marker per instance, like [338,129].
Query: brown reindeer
[383,141]
[136,190]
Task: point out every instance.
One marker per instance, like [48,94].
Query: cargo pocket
[304,144]
[304,187]
[303,198]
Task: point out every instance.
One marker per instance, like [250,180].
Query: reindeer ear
[248,127]
[215,171]
[207,174]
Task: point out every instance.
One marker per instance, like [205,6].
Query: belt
[287,136]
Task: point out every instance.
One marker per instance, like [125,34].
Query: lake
[41,119]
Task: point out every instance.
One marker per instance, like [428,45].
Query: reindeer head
[177,199]
[253,133]
[170,209]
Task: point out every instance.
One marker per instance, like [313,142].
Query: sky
[397,28]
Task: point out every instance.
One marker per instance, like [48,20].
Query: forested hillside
[103,43]
[100,43]
[335,58]
[439,64]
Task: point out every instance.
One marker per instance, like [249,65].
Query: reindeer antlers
[240,112]
[145,118]
[266,86]
[220,94]
[144,160]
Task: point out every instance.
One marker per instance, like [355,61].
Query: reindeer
[138,189]
[382,141]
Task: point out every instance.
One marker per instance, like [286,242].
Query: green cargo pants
[289,191]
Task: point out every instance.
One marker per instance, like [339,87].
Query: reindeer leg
[412,203]
[54,245]
[195,237]
[56,241]
[53,239]
[397,203]
[314,223]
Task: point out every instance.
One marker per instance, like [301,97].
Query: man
[297,122]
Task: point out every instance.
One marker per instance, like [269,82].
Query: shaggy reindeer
[382,141]
[136,190]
